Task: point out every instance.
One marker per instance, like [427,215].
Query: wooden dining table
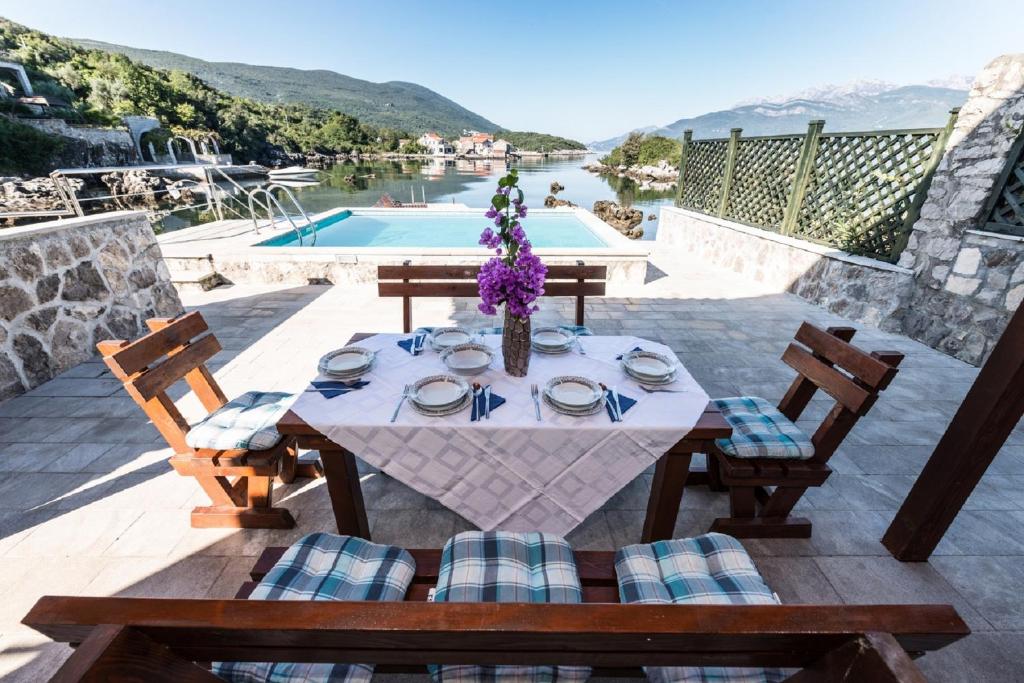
[671,476]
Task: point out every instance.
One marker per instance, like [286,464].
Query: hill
[395,104]
[539,142]
[863,106]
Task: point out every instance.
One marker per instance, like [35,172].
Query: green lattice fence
[860,192]
[1007,215]
[704,173]
[762,180]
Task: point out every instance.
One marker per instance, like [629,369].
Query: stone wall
[969,281]
[856,287]
[88,145]
[66,285]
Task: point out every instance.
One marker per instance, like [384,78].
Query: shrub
[24,149]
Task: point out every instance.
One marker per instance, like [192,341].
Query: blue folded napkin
[332,388]
[619,357]
[625,403]
[416,341]
[478,405]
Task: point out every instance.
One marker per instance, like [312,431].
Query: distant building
[435,144]
[476,144]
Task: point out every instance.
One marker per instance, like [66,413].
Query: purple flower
[491,212]
[522,211]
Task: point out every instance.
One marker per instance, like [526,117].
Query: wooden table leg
[666,495]
[345,491]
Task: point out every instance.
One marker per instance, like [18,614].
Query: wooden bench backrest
[408,281]
[826,360]
[175,349]
[161,637]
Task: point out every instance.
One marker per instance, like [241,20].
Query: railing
[273,202]
[859,191]
[1006,213]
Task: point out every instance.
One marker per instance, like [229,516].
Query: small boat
[292,173]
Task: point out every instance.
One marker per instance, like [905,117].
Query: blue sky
[587,70]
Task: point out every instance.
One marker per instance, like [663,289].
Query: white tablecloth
[510,472]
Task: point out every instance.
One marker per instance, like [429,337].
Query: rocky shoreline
[661,178]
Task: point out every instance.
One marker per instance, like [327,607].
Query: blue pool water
[421,229]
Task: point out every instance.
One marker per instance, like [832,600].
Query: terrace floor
[89,506]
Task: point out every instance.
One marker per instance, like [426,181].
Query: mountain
[862,105]
[395,104]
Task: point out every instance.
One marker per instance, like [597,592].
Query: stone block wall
[969,281]
[66,285]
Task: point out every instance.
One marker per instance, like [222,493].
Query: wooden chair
[408,281]
[239,482]
[850,376]
[169,639]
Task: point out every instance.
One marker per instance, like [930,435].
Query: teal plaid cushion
[326,567]
[249,421]
[501,566]
[759,430]
[712,569]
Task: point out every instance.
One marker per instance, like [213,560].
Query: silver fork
[405,394]
[535,392]
[661,391]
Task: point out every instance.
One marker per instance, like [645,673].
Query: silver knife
[618,408]
[487,402]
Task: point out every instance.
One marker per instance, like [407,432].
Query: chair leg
[714,473]
[745,521]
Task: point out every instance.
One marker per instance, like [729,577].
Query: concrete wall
[66,285]
[858,288]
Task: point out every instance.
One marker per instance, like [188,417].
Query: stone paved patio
[89,506]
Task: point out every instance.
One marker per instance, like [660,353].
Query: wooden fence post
[687,139]
[921,192]
[730,166]
[993,407]
[802,176]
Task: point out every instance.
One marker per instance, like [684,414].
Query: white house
[435,144]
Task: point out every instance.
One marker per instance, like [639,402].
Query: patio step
[194,273]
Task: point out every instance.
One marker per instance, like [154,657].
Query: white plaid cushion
[326,567]
[500,566]
[249,421]
[759,430]
[712,569]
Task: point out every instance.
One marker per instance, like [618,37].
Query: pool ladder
[272,203]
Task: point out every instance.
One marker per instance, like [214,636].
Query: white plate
[644,379]
[574,412]
[467,359]
[551,337]
[649,364]
[350,361]
[444,337]
[573,392]
[445,411]
[438,391]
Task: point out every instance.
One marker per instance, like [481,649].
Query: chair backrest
[408,281]
[175,349]
[159,639]
[826,360]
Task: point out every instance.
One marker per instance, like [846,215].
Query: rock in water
[551,201]
[556,187]
[622,218]
[652,217]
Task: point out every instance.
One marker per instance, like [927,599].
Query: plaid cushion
[249,421]
[759,430]
[712,569]
[500,566]
[325,567]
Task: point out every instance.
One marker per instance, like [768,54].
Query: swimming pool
[435,229]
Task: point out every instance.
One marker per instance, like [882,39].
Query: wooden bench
[408,281]
[239,482]
[823,359]
[163,639]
